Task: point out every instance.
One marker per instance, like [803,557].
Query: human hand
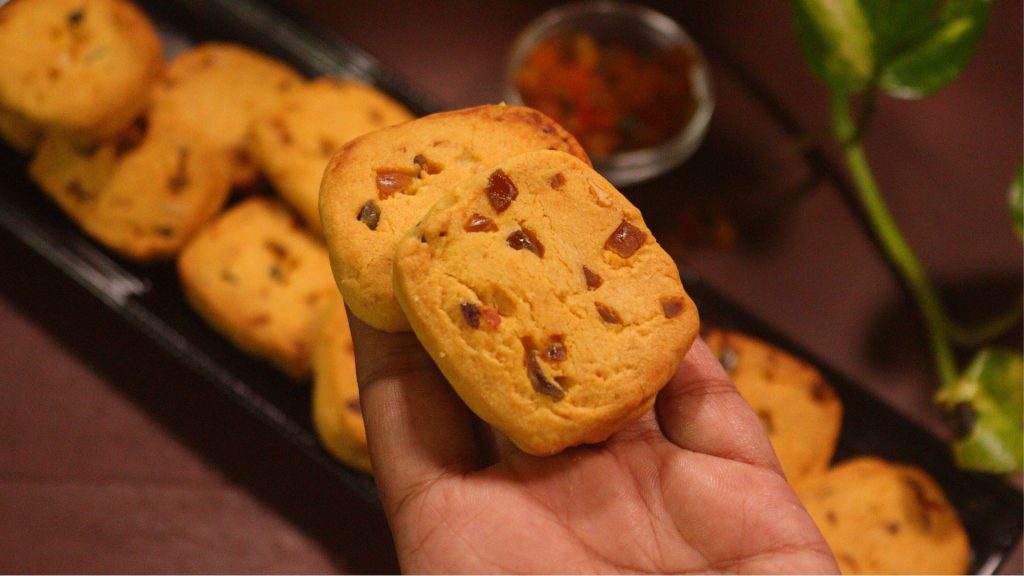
[692,485]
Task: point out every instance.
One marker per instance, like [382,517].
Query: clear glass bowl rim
[632,166]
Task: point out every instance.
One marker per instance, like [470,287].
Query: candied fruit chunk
[471,313]
[729,358]
[557,181]
[524,238]
[390,181]
[480,223]
[179,178]
[501,191]
[607,314]
[426,165]
[541,383]
[625,240]
[555,350]
[672,307]
[491,317]
[822,392]
[76,191]
[369,214]
[593,279]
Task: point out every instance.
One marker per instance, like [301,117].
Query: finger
[644,428]
[417,428]
[700,410]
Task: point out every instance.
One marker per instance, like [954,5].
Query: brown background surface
[113,459]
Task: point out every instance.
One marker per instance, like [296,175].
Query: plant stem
[971,336]
[893,243]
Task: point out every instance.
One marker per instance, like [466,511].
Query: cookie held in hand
[546,302]
[379,185]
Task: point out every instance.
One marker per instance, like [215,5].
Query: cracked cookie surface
[545,300]
[379,185]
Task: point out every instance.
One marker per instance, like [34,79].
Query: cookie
[379,185]
[143,196]
[262,281]
[798,408]
[85,67]
[337,416]
[545,300]
[883,518]
[72,176]
[293,142]
[218,89]
[18,132]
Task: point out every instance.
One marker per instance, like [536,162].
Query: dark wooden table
[105,466]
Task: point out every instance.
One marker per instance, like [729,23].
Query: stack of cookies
[213,159]
[487,232]
[878,517]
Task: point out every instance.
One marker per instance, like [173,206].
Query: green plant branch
[973,336]
[867,111]
[895,246]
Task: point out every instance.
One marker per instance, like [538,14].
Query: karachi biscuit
[21,134]
[337,415]
[84,67]
[884,518]
[72,176]
[218,89]
[798,408]
[143,199]
[262,281]
[379,185]
[545,300]
[293,143]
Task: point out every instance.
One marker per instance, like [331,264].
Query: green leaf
[986,404]
[943,44]
[837,42]
[898,25]
[1017,202]
[910,48]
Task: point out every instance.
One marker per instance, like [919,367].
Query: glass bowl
[646,31]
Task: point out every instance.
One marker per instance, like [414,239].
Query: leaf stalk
[896,249]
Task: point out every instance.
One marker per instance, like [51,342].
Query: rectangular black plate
[148,297]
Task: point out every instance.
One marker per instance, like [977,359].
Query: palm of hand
[692,486]
[639,504]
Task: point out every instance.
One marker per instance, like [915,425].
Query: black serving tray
[148,297]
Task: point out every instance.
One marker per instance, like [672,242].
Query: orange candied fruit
[613,97]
